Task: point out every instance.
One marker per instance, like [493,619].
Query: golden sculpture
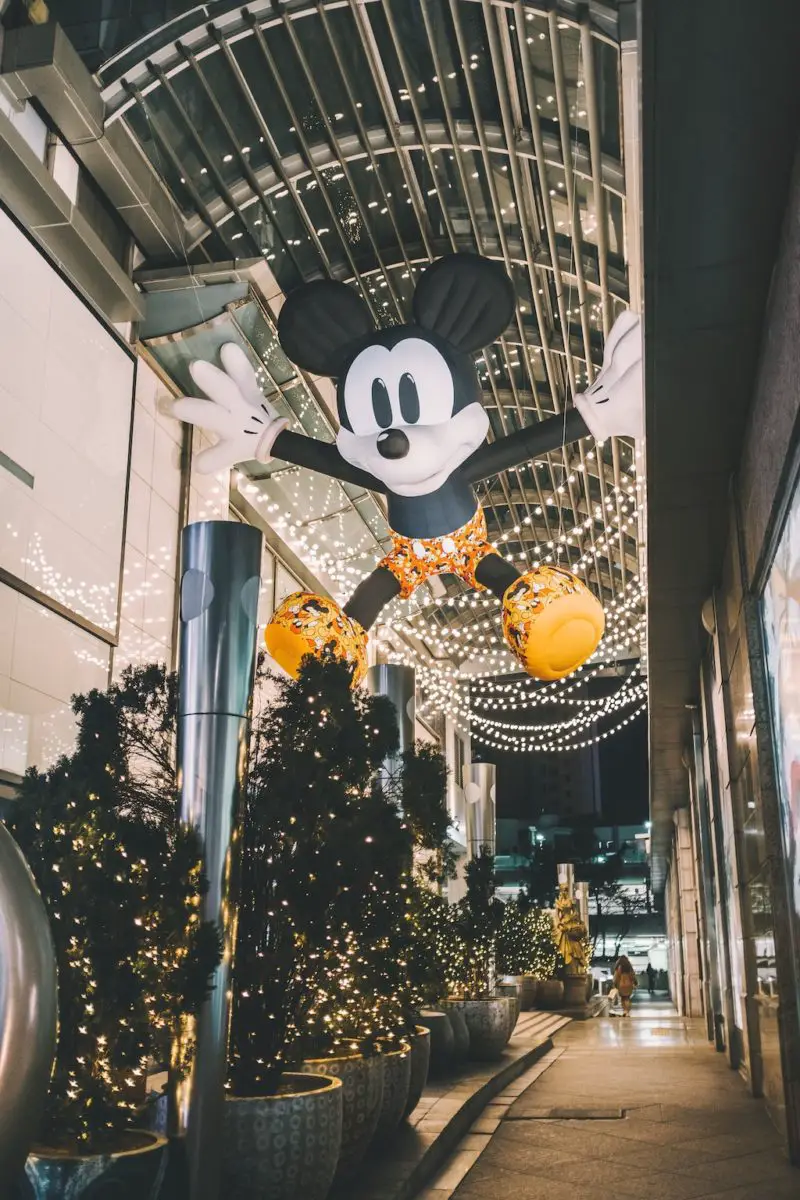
[571,936]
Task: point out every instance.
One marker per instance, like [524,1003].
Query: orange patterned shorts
[413,560]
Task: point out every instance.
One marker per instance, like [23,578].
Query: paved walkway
[623,1108]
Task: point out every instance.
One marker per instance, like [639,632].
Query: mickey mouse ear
[467,300]
[319,322]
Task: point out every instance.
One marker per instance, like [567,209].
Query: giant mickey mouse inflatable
[413,427]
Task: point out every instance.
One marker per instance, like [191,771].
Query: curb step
[446,1115]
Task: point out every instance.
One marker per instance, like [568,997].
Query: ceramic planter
[420,1042]
[511,991]
[125,1175]
[460,1032]
[442,1041]
[550,993]
[396,1084]
[488,1023]
[362,1099]
[529,992]
[283,1146]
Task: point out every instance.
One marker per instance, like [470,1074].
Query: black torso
[436,513]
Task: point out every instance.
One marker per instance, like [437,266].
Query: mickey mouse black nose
[393,443]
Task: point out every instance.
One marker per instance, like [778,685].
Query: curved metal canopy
[360,139]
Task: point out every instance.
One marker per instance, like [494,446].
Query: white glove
[614,405]
[237,410]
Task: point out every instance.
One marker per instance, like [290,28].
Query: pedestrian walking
[625,982]
[651,978]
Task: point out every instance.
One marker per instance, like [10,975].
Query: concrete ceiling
[720,121]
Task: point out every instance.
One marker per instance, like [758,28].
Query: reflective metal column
[566,876]
[480,794]
[398,683]
[220,567]
[28,1010]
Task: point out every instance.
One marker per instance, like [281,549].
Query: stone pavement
[623,1108]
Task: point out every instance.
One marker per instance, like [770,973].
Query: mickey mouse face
[409,399]
[410,411]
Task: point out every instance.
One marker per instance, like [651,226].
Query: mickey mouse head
[408,397]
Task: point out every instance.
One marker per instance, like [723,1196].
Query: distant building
[622,917]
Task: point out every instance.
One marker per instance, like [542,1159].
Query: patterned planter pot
[396,1083]
[283,1146]
[511,991]
[550,993]
[125,1175]
[362,1099]
[442,1041]
[529,992]
[420,1042]
[488,1024]
[460,1031]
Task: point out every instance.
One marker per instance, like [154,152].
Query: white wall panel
[66,388]
[152,533]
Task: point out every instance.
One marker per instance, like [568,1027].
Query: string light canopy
[360,141]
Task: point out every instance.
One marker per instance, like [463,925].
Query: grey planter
[126,1175]
[511,992]
[396,1084]
[362,1100]
[574,990]
[283,1146]
[460,1031]
[529,993]
[550,993]
[488,1024]
[442,1041]
[420,1043]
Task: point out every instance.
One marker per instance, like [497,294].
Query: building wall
[66,400]
[748,923]
[773,418]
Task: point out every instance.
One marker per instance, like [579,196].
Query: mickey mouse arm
[250,427]
[611,407]
[524,445]
[323,457]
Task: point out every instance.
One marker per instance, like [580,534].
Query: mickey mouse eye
[381,404]
[409,399]
[409,384]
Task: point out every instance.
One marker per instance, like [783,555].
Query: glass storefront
[781,619]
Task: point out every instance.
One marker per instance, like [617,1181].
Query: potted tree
[514,954]
[121,881]
[424,808]
[299,1058]
[477,920]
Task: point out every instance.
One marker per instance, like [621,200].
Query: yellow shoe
[551,622]
[309,624]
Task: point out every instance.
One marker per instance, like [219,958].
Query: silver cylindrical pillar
[582,901]
[28,1011]
[220,569]
[480,795]
[398,684]
[566,878]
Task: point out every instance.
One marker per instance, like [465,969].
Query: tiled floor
[640,1108]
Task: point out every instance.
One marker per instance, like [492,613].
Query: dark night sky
[623,767]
